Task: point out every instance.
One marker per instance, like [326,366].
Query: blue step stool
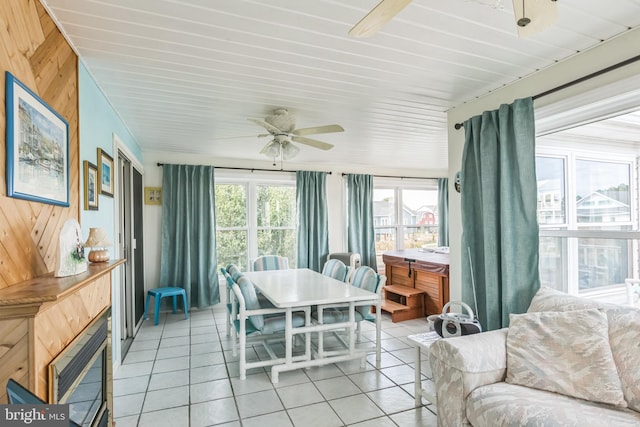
[159,293]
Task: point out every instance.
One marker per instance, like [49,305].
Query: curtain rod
[576,81]
[328,173]
[401,177]
[253,169]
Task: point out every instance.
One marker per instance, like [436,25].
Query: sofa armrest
[462,364]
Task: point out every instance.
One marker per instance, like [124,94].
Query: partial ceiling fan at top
[531,16]
[378,17]
[534,16]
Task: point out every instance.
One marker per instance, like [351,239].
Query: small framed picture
[90,186]
[105,173]
[152,195]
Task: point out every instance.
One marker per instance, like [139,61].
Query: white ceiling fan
[282,126]
[531,16]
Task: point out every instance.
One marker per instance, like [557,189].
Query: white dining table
[298,288]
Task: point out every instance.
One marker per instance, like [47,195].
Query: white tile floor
[182,373]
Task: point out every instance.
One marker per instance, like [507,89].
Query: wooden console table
[41,316]
[417,283]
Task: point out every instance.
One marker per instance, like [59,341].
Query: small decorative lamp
[98,241]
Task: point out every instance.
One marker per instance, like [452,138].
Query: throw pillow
[624,334]
[564,352]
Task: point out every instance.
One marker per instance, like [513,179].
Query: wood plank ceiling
[185,74]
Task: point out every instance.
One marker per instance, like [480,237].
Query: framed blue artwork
[105,173]
[91,186]
[37,147]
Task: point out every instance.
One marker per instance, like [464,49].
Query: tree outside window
[255,219]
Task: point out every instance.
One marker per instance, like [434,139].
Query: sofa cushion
[624,334]
[276,323]
[624,338]
[503,404]
[564,352]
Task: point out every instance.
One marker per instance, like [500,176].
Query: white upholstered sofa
[568,361]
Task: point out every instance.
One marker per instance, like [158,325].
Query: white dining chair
[336,269]
[270,262]
[264,326]
[363,277]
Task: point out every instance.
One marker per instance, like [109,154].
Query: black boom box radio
[456,324]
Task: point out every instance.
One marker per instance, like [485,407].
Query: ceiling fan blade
[267,126]
[379,15]
[541,14]
[312,142]
[318,129]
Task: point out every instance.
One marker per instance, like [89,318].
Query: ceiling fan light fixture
[272,150]
[289,151]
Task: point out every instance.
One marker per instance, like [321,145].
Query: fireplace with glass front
[80,375]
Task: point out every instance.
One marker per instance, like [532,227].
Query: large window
[253,218]
[588,229]
[405,215]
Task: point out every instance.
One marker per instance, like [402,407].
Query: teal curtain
[500,230]
[443,211]
[360,233]
[188,249]
[313,219]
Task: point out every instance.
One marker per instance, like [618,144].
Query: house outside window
[588,226]
[405,215]
[254,217]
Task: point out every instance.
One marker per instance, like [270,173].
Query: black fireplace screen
[79,375]
[79,362]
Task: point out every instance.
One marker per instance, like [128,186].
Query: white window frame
[572,230]
[251,182]
[397,185]
[599,99]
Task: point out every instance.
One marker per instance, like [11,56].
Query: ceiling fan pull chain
[281,158]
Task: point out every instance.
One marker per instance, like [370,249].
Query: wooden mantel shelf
[26,298]
[40,317]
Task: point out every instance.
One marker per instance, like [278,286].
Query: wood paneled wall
[14,354]
[35,52]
